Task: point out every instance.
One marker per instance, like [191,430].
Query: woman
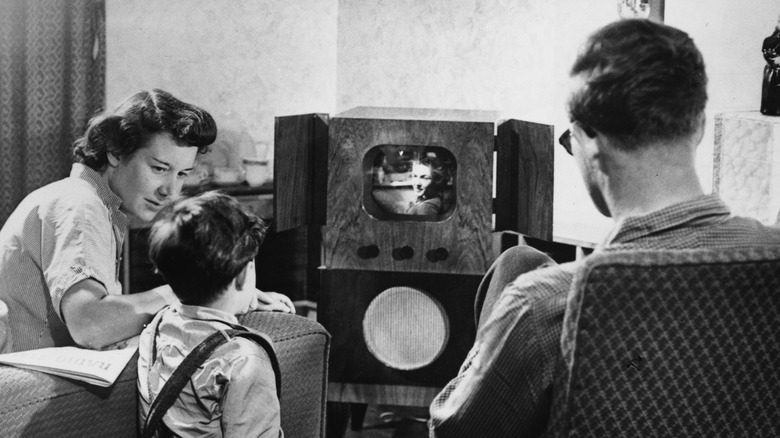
[60,250]
[429,179]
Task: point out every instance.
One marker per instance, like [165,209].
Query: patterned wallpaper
[245,61]
[503,55]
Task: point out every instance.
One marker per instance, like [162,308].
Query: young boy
[205,247]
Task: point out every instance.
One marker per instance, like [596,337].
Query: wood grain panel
[524,180]
[288,260]
[465,234]
[300,170]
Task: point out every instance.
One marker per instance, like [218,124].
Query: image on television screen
[412,183]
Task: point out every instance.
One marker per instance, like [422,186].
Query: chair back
[672,343]
[34,404]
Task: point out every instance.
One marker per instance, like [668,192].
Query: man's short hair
[200,244]
[129,126]
[643,82]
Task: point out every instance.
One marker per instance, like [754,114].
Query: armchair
[34,404]
[672,343]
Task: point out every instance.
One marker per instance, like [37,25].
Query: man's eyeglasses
[565,141]
[565,138]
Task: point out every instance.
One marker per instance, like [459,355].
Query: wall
[259,59]
[244,61]
[503,55]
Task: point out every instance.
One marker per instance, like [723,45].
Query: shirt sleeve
[77,243]
[251,407]
[6,338]
[504,388]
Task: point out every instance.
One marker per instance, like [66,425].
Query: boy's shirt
[233,394]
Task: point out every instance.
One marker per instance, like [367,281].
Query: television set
[408,201]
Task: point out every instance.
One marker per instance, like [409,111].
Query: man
[637,115]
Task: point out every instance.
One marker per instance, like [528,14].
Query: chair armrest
[41,405]
[302,346]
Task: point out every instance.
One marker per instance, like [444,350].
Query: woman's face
[421,179]
[152,176]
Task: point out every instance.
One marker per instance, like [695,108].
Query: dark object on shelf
[770,90]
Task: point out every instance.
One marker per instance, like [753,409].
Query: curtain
[52,80]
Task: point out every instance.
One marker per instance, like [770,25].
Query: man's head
[202,244]
[637,101]
[639,83]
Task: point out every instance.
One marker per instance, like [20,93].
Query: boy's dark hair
[200,244]
[644,82]
[128,127]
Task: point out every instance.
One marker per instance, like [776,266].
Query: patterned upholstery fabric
[672,343]
[34,404]
[303,350]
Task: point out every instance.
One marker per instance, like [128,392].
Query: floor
[380,422]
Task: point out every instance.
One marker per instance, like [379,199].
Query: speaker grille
[405,328]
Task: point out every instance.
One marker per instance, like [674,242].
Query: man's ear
[699,135]
[598,156]
[591,146]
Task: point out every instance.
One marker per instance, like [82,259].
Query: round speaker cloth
[405,328]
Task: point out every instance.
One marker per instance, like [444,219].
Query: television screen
[412,183]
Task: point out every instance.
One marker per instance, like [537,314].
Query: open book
[97,367]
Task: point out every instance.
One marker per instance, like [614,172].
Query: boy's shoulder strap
[182,374]
[267,344]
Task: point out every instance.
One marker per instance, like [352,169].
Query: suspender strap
[173,387]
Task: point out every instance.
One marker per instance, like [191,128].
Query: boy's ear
[113,160]
[240,280]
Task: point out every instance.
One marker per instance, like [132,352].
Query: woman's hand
[271,301]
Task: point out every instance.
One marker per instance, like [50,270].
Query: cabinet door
[300,170]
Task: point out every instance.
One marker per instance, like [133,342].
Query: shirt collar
[205,313]
[703,208]
[96,180]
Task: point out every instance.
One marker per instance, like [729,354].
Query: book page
[99,368]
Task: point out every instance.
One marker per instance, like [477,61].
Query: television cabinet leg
[337,417]
[358,414]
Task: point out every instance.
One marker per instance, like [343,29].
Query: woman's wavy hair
[129,126]
[200,244]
